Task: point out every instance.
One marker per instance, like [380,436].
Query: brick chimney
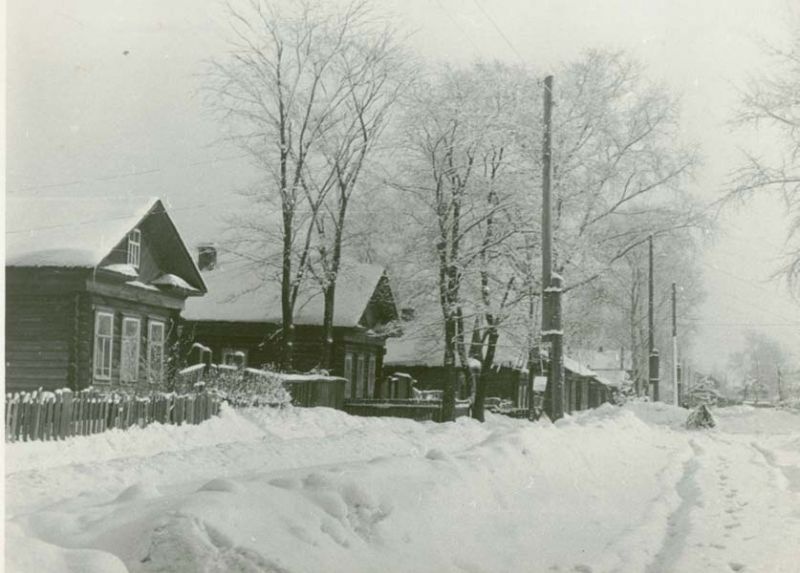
[206,256]
[406,314]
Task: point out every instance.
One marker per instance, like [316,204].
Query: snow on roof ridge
[84,241]
[239,291]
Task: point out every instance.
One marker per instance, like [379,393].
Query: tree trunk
[449,394]
[329,294]
[480,384]
[287,320]
[333,275]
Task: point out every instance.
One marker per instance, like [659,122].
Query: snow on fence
[253,386]
[57,415]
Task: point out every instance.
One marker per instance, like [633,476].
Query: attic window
[134,247]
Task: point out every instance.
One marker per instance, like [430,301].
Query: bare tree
[301,91]
[376,74]
[461,136]
[770,104]
[620,175]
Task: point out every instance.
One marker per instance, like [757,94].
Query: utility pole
[653,358]
[675,397]
[780,386]
[552,335]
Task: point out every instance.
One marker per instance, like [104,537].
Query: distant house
[240,319]
[584,388]
[613,366]
[420,353]
[93,292]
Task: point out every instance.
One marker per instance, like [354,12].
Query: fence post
[37,417]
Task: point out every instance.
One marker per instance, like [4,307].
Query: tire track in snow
[679,520]
[791,473]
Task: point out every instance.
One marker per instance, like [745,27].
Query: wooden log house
[240,319]
[94,290]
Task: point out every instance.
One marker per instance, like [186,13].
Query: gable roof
[605,360]
[81,233]
[240,290]
[423,345]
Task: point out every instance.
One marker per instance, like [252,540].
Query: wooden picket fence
[61,414]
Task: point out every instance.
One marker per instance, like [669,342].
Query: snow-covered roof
[425,347]
[68,231]
[601,359]
[168,279]
[123,269]
[607,382]
[82,232]
[577,368]
[240,291]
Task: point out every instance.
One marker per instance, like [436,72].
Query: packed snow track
[296,490]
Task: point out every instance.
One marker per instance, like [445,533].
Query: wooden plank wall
[38,335]
[58,415]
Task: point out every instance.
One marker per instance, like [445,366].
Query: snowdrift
[317,490]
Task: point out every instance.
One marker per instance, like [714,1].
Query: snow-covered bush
[700,417]
[246,387]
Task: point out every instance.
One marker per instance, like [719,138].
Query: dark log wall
[50,326]
[40,333]
[501,382]
[38,337]
[262,345]
[381,308]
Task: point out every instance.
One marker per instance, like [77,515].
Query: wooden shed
[93,292]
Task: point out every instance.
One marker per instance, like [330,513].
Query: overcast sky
[104,100]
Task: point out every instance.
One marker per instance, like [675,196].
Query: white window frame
[235,353]
[134,247]
[129,373]
[98,360]
[371,366]
[348,374]
[151,345]
[361,377]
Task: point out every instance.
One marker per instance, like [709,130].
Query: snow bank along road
[615,489]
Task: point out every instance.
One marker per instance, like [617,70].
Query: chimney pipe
[206,257]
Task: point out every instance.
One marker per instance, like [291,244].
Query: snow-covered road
[616,489]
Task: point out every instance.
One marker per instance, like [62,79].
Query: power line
[124,175]
[460,29]
[104,219]
[499,31]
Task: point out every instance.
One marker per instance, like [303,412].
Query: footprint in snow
[736,566]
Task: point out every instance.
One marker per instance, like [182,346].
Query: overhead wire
[499,30]
[124,175]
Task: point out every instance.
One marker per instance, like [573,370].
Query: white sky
[86,118]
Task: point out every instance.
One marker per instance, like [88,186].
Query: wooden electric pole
[653,357]
[552,335]
[675,391]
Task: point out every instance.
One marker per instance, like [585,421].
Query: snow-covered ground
[615,489]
